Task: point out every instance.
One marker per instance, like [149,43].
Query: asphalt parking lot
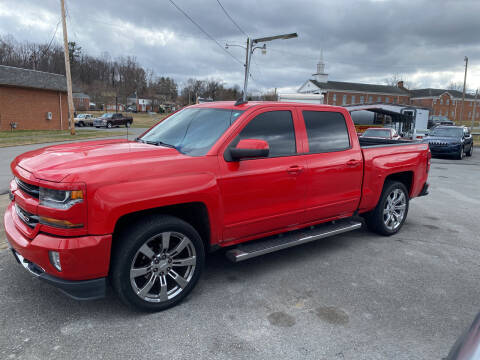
[353,296]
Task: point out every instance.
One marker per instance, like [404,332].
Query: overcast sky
[424,41]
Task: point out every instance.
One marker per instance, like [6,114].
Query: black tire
[470,151]
[375,219]
[81,124]
[125,251]
[109,125]
[98,127]
[128,124]
[461,153]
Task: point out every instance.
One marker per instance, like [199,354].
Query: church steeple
[320,75]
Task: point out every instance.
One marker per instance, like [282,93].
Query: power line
[231,19]
[205,32]
[53,37]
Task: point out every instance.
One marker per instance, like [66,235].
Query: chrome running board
[283,241]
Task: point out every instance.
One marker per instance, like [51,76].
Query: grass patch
[26,137]
[140,120]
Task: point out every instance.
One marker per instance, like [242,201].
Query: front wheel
[156,263]
[391,211]
[109,125]
[470,151]
[461,153]
[128,124]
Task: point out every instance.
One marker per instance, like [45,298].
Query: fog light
[55,260]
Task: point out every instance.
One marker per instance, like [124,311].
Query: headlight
[60,199]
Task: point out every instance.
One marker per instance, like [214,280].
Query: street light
[249,52]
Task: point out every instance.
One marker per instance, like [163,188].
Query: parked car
[132,109]
[84,120]
[142,214]
[383,133]
[110,120]
[450,140]
[436,120]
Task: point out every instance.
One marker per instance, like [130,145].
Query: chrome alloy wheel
[394,210]
[163,267]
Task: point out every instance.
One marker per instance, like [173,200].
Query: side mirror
[250,148]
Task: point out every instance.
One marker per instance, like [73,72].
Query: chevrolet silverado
[251,177]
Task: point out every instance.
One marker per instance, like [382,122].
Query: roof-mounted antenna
[240,101]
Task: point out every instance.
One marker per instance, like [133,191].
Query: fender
[379,167]
[109,203]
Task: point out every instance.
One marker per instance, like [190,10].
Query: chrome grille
[438,143]
[28,218]
[29,189]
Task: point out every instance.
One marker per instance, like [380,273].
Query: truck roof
[250,104]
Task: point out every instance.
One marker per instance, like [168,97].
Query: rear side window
[326,131]
[276,128]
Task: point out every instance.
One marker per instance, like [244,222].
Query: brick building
[34,100]
[447,103]
[348,93]
[442,102]
[81,101]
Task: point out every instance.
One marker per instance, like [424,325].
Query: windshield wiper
[157,143]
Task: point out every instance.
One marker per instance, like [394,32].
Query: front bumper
[445,150]
[85,260]
[78,290]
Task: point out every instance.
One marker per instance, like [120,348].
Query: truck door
[334,165]
[264,194]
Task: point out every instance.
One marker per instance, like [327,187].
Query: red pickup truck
[142,214]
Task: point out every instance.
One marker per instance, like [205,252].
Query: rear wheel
[391,211]
[109,125]
[128,124]
[156,263]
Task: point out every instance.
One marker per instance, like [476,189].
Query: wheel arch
[194,213]
[404,177]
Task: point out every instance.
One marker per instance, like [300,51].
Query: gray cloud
[424,41]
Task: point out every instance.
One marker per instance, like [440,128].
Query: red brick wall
[81,104]
[367,98]
[29,107]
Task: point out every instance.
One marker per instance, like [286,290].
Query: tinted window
[326,131]
[276,128]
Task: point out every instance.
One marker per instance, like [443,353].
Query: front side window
[276,128]
[192,131]
[326,131]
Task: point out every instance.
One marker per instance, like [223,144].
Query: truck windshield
[192,131]
[447,132]
[377,133]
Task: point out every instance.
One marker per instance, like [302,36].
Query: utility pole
[474,109]
[71,124]
[249,52]
[464,87]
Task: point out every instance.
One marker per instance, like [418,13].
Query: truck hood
[76,160]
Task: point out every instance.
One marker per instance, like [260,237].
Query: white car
[84,120]
[383,133]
